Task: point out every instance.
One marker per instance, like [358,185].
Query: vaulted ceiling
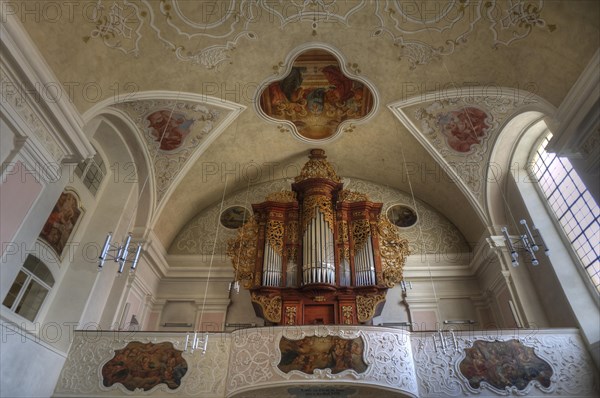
[216,55]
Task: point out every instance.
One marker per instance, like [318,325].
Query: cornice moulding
[65,117]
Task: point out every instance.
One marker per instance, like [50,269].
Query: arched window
[30,288]
[92,172]
[572,206]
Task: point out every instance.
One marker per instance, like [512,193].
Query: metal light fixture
[459,322]
[120,253]
[196,343]
[524,241]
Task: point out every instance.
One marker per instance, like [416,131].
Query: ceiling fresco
[316,96]
[227,53]
[187,28]
[174,132]
[460,131]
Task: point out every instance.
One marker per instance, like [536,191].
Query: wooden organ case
[318,254]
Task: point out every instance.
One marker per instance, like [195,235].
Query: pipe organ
[318,264]
[318,254]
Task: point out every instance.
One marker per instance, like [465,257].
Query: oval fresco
[144,366]
[316,96]
[402,216]
[504,364]
[329,352]
[234,217]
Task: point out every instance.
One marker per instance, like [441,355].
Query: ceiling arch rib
[460,128]
[174,129]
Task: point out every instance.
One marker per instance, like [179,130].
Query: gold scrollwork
[242,252]
[361,231]
[347,314]
[290,315]
[347,195]
[292,253]
[292,232]
[271,307]
[282,197]
[393,250]
[311,204]
[343,231]
[257,276]
[345,252]
[275,235]
[366,305]
[317,167]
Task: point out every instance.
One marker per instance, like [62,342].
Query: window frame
[532,166]
[87,165]
[30,276]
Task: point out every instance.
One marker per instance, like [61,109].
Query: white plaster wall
[81,375]
[556,306]
[178,312]
[393,310]
[18,192]
[24,240]
[134,291]
[244,363]
[75,301]
[7,140]
[439,375]
[568,280]
[28,366]
[30,359]
[240,310]
[109,284]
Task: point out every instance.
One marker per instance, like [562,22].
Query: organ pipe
[321,246]
[272,269]
[317,244]
[364,264]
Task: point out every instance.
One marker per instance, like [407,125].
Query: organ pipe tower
[318,254]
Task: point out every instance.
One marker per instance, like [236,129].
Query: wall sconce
[120,253]
[526,242]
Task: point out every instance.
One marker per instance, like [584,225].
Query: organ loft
[318,254]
